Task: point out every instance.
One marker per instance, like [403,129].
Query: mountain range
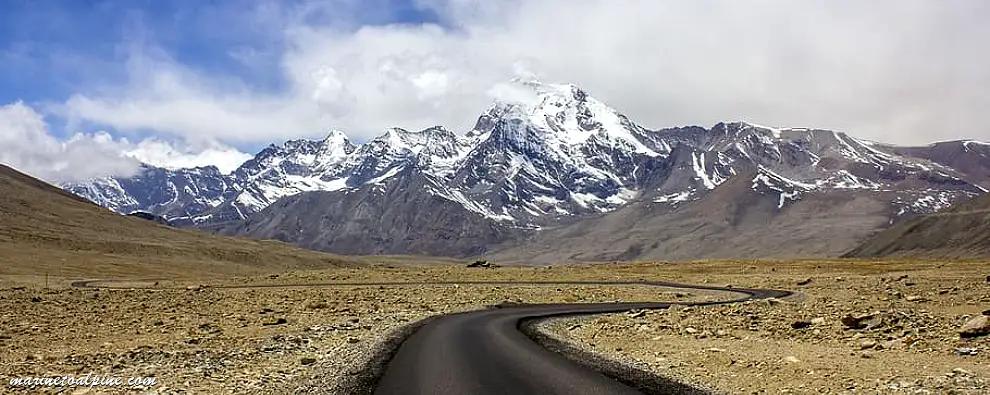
[563,176]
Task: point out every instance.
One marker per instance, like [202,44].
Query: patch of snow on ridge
[468,204]
[675,197]
[698,163]
[846,180]
[775,182]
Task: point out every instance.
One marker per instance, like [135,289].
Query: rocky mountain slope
[44,230]
[959,232]
[563,176]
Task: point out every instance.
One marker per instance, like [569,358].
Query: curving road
[485,352]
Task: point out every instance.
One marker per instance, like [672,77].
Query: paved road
[484,352]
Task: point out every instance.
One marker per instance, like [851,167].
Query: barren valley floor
[289,331]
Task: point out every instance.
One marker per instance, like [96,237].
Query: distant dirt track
[486,352]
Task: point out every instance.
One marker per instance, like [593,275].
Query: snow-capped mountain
[559,157]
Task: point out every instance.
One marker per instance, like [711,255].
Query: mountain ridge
[562,157]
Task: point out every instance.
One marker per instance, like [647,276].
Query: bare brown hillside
[46,231]
[960,232]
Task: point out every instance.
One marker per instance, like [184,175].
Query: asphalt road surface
[485,352]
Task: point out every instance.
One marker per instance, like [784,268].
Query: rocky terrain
[857,326]
[554,169]
[273,334]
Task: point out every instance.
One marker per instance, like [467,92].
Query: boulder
[975,327]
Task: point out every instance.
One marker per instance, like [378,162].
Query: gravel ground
[204,339]
[895,332]
[285,333]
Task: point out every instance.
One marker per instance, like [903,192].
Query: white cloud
[167,155]
[898,71]
[29,146]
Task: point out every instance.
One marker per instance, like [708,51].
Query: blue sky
[50,50]
[184,83]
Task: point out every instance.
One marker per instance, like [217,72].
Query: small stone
[573,327]
[690,330]
[805,281]
[36,299]
[861,321]
[913,298]
[800,324]
[961,372]
[353,340]
[966,351]
[279,321]
[818,321]
[636,313]
[975,327]
[867,344]
[792,359]
[307,361]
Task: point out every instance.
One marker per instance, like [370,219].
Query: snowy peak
[544,152]
[560,116]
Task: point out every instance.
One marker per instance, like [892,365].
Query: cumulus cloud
[29,146]
[900,71]
[160,153]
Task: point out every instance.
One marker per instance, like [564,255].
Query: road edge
[647,382]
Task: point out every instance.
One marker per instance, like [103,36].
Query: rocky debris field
[273,334]
[854,328]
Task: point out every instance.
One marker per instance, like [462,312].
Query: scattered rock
[481,263]
[800,324]
[914,298]
[804,281]
[867,344]
[636,313]
[690,330]
[279,321]
[966,351]
[961,372]
[862,321]
[975,327]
